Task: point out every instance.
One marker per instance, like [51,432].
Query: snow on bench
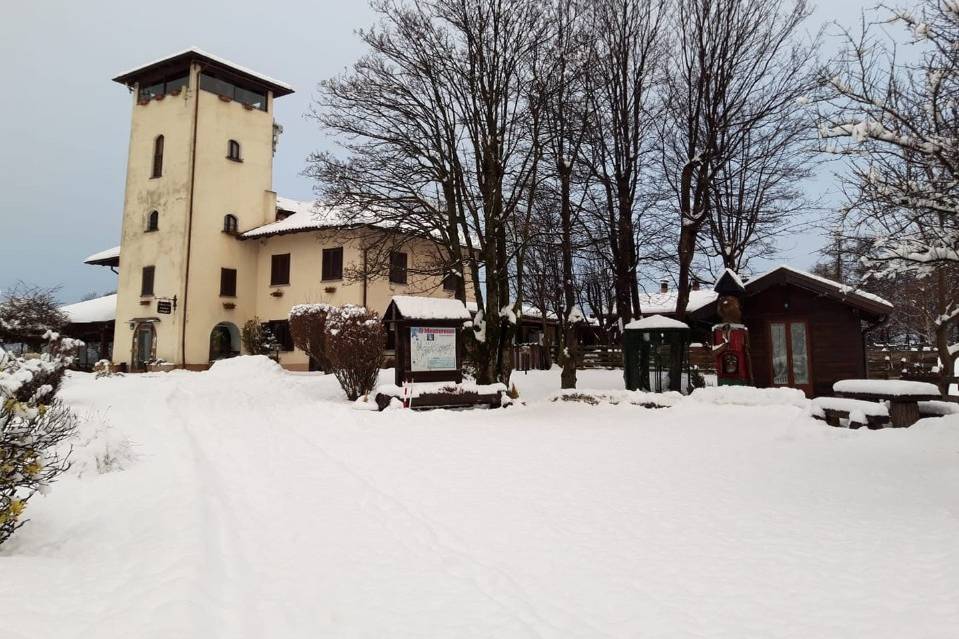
[938,409]
[857,412]
[890,387]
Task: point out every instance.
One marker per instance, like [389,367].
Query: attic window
[282,215]
[248,96]
[230,224]
[172,85]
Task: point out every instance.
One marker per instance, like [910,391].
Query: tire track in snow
[485,578]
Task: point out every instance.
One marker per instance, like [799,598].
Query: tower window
[153,221]
[398,262]
[172,85]
[233,151]
[251,97]
[227,282]
[157,157]
[280,270]
[146,281]
[230,224]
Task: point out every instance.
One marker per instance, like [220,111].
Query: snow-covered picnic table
[903,396]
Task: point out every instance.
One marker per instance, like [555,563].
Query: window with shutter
[398,262]
[333,263]
[280,270]
[228,282]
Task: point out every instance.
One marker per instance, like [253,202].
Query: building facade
[206,244]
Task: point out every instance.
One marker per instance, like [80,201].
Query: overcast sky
[64,125]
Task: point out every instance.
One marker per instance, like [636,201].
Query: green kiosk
[656,354]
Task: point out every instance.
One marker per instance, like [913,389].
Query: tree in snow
[33,427]
[737,75]
[27,312]
[355,338]
[435,121]
[896,122]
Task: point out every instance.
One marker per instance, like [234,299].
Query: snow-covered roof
[108,257]
[305,215]
[430,308]
[662,303]
[842,289]
[654,322]
[99,309]
[279,87]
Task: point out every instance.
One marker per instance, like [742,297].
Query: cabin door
[789,347]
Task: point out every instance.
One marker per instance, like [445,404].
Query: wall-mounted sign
[432,348]
[164,306]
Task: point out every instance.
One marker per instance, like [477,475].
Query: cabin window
[333,263]
[230,224]
[281,333]
[280,270]
[227,282]
[227,89]
[233,151]
[146,281]
[398,262]
[790,353]
[157,157]
[153,221]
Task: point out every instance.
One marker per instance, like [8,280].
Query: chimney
[695,285]
[664,286]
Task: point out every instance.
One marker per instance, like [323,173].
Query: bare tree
[737,70]
[897,124]
[626,49]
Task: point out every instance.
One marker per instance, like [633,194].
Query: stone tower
[200,170]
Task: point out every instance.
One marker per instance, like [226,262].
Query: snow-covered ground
[248,502]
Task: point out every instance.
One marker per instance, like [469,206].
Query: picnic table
[903,396]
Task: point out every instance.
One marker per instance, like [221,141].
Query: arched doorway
[144,345]
[224,341]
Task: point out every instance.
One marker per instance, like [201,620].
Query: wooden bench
[903,396]
[857,413]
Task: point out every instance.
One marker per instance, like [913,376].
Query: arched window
[157,157]
[230,224]
[153,221]
[233,151]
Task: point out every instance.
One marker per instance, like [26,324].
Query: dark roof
[870,304]
[730,284]
[179,60]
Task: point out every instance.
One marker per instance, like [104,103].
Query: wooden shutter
[228,282]
[280,270]
[398,267]
[333,263]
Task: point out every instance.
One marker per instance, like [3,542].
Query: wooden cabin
[805,331]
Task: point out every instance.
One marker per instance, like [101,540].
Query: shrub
[257,338]
[308,329]
[33,424]
[355,338]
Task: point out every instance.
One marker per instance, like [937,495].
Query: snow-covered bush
[27,312]
[32,426]
[355,338]
[308,329]
[257,338]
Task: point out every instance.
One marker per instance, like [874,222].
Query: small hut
[656,354]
